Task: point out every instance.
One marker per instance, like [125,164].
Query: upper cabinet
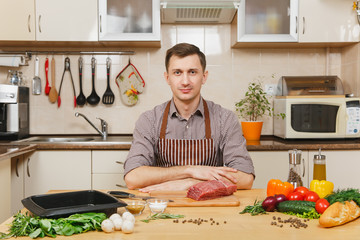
[129,20]
[289,22]
[327,21]
[17,20]
[266,21]
[66,20]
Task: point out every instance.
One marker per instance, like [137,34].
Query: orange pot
[252,130]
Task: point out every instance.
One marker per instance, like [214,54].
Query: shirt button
[187,126]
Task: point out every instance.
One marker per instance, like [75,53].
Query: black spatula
[108,97]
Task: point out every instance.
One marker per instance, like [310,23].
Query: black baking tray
[64,204]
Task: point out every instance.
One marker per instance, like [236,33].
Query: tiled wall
[230,71]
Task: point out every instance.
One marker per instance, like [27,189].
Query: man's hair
[183,50]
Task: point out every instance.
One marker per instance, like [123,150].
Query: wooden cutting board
[180,200]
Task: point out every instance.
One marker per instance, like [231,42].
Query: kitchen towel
[12,60]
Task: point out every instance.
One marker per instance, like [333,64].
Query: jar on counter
[319,167]
[296,168]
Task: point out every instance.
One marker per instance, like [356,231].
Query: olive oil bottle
[319,167]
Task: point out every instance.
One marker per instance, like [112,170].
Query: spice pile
[200,221]
[294,222]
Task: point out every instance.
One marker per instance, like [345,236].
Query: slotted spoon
[108,97]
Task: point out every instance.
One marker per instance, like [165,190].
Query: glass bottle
[295,167]
[319,166]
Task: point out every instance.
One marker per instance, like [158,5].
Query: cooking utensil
[36,83]
[66,68]
[53,94]
[81,99]
[47,87]
[122,194]
[108,97]
[93,99]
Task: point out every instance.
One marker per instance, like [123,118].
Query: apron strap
[206,115]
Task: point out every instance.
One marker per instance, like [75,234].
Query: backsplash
[230,71]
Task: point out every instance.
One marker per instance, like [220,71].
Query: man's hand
[210,173]
[176,185]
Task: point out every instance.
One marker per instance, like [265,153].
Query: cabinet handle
[303,25]
[28,167]
[296,22]
[122,186]
[29,29]
[16,167]
[39,23]
[120,162]
[100,24]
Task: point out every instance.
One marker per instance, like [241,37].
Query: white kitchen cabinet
[18,166]
[342,167]
[5,197]
[57,170]
[129,20]
[275,165]
[327,21]
[17,20]
[108,169]
[266,21]
[66,20]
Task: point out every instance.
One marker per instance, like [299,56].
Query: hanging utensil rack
[28,54]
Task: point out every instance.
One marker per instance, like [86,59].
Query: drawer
[108,181]
[104,161]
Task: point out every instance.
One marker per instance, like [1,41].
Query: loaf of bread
[339,213]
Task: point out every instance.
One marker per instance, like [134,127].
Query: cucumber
[296,206]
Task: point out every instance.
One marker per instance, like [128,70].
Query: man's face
[185,77]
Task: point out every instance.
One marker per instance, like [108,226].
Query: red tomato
[321,205]
[311,196]
[302,190]
[295,196]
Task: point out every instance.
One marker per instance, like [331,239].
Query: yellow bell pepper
[322,188]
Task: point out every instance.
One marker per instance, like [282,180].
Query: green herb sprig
[255,209]
[313,214]
[157,216]
[342,195]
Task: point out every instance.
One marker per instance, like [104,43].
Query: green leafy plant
[255,104]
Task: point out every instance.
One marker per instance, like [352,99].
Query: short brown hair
[183,50]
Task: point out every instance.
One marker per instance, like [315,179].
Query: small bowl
[157,205]
[135,207]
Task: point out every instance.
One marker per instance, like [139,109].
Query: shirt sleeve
[142,151]
[233,145]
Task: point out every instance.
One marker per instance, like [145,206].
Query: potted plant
[252,108]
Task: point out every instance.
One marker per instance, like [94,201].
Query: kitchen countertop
[237,225]
[9,150]
[267,143]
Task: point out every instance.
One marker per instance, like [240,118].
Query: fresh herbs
[344,195]
[157,216]
[255,209]
[34,227]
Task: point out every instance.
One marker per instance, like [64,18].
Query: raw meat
[210,190]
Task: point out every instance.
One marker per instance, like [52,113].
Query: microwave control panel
[353,114]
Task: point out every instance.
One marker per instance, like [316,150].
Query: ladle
[81,99]
[93,99]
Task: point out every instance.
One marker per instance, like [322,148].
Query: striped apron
[180,152]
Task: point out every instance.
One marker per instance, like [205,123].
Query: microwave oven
[317,117]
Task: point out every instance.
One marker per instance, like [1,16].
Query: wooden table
[237,226]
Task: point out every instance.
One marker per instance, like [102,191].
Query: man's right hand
[211,173]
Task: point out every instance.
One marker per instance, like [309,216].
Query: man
[187,140]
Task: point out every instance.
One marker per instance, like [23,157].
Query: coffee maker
[14,112]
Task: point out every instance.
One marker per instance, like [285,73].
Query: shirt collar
[199,110]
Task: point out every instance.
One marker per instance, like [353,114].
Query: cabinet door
[17,183]
[275,165]
[129,20]
[267,21]
[108,169]
[327,21]
[57,170]
[5,179]
[342,168]
[66,20]
[17,20]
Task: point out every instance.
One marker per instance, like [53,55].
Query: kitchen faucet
[104,125]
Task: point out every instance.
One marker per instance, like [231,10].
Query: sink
[78,139]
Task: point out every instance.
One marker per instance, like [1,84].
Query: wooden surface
[237,226]
[180,200]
